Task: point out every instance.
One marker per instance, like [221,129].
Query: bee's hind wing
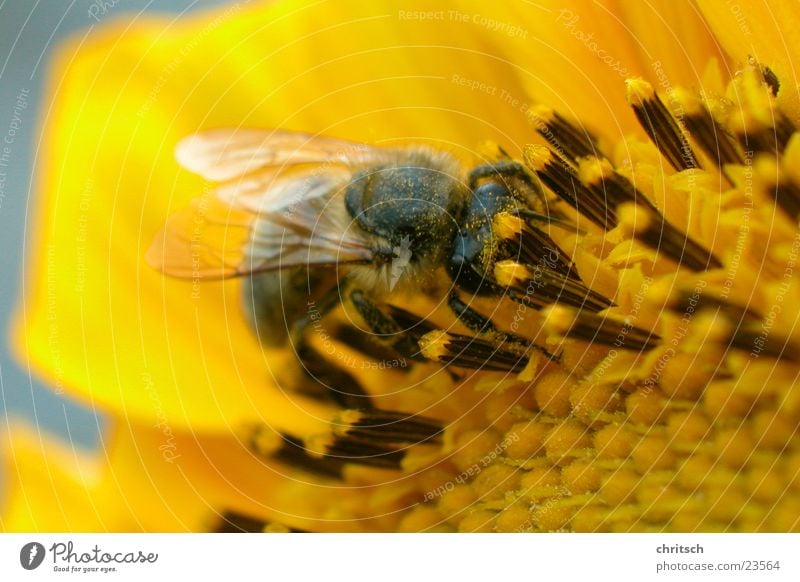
[265,221]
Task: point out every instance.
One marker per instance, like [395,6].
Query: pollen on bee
[538,157]
[263,440]
[558,319]
[318,445]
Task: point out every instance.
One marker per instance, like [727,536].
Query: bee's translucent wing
[225,154]
[207,239]
[263,222]
[283,190]
[279,204]
[302,220]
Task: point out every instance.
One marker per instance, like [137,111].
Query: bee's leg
[416,338]
[525,189]
[475,321]
[346,334]
[324,379]
[315,311]
[486,328]
[386,327]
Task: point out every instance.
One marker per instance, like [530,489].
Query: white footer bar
[401,557]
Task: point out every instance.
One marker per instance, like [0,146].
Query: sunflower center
[675,405]
[649,353]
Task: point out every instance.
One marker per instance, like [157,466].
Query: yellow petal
[576,56]
[45,485]
[93,317]
[124,488]
[156,480]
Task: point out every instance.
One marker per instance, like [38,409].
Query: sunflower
[662,135]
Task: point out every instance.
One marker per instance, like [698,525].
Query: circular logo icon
[31,555]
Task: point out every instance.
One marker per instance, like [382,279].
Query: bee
[312,222]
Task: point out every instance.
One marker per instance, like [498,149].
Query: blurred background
[30,32]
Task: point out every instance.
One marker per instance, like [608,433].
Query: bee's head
[414,210]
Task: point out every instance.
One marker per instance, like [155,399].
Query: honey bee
[312,220]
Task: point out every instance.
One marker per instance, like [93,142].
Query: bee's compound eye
[356,192]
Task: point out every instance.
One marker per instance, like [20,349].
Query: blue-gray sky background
[30,32]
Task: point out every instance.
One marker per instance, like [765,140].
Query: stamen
[381,426]
[470,352]
[235,522]
[530,245]
[787,196]
[715,141]
[760,341]
[599,176]
[780,181]
[334,382]
[570,141]
[654,231]
[655,119]
[756,136]
[540,286]
[563,180]
[358,452]
[356,339]
[687,301]
[595,328]
[758,123]
[375,438]
[292,452]
[506,225]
